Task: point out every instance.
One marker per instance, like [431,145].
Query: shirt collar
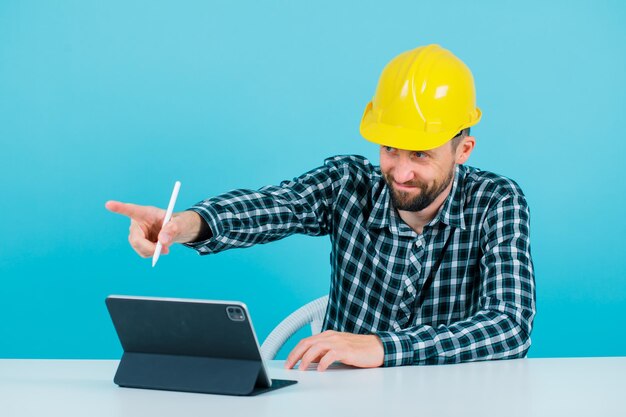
[451,212]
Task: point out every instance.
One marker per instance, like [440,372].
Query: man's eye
[389,149]
[419,155]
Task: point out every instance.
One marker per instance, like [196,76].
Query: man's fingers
[127,209]
[292,359]
[312,355]
[328,359]
[297,352]
[363,351]
[138,241]
[145,227]
[144,248]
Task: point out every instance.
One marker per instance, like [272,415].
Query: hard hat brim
[408,139]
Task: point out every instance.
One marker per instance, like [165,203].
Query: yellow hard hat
[424,98]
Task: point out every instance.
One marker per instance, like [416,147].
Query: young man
[430,258]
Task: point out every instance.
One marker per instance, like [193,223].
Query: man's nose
[404,173]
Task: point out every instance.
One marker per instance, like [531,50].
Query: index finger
[126,209]
[298,352]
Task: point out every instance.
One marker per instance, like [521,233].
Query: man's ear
[464,150]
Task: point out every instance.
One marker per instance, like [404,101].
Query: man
[430,259]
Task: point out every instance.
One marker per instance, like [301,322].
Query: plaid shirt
[481,303]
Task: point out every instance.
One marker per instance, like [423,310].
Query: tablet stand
[193,374]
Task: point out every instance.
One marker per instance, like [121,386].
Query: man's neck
[416,220]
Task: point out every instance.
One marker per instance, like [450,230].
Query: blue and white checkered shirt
[480,303]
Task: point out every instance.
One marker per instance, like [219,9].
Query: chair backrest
[311,313]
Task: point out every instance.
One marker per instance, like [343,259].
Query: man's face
[417,178]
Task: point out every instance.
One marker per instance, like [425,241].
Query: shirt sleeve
[242,218]
[501,327]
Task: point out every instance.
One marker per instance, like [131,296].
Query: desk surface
[522,387]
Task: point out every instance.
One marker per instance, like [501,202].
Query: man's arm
[242,218]
[501,327]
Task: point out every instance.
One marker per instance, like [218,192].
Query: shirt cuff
[210,216]
[398,349]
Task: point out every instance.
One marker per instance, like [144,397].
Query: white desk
[525,387]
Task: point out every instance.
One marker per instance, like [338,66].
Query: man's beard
[403,200]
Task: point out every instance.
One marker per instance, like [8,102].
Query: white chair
[310,313]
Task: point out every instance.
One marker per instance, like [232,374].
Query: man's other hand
[145,227]
[363,351]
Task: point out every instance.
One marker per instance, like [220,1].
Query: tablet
[176,344]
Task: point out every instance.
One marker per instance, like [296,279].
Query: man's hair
[459,136]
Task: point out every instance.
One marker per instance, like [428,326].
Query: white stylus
[168,216]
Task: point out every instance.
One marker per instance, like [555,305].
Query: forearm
[490,334]
[242,218]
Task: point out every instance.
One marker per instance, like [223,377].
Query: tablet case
[188,345]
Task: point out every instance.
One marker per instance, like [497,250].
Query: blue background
[118,99]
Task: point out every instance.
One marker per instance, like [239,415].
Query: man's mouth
[404,187]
